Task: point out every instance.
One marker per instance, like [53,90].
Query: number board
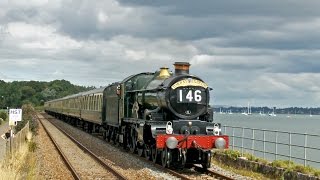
[191,95]
[15,114]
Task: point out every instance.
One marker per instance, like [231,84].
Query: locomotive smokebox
[181,68]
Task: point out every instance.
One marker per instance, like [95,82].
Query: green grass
[286,164]
[243,172]
[23,165]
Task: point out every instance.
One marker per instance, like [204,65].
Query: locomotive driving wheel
[154,153]
[166,157]
[206,160]
[140,149]
[132,141]
[183,159]
[147,152]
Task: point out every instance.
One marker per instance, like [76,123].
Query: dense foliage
[15,94]
[27,116]
[3,115]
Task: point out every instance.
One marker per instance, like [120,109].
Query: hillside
[14,94]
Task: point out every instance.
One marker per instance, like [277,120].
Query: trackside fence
[301,148]
[14,143]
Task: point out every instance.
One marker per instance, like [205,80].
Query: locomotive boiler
[164,116]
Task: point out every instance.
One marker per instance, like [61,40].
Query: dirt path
[3,128]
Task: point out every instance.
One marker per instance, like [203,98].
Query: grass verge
[21,166]
[289,166]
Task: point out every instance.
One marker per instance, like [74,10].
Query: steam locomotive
[163,116]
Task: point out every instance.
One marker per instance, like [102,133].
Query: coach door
[112,105]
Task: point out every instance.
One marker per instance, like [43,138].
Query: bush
[3,115]
[232,154]
[27,116]
[32,146]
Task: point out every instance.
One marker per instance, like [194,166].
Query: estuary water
[282,122]
[264,146]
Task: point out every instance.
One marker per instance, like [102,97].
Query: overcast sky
[265,52]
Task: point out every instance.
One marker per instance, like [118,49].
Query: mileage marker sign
[15,114]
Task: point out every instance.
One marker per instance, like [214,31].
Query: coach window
[96,102]
[90,102]
[85,102]
[93,105]
[93,102]
[99,102]
[81,102]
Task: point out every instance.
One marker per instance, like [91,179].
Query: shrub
[3,115]
[282,163]
[232,154]
[32,146]
[27,115]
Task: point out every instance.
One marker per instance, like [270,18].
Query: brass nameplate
[189,82]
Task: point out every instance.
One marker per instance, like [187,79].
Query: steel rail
[95,157]
[212,173]
[63,156]
[170,171]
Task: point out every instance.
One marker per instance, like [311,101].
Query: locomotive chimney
[181,68]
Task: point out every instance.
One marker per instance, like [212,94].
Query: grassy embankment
[23,163]
[289,166]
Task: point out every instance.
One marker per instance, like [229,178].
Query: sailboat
[288,115]
[249,109]
[262,114]
[221,112]
[310,114]
[272,114]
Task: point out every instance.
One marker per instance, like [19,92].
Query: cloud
[266,52]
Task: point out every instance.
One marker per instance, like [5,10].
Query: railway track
[209,174]
[77,172]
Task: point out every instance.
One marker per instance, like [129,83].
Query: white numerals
[190,96]
[197,95]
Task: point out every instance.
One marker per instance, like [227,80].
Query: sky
[263,52]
